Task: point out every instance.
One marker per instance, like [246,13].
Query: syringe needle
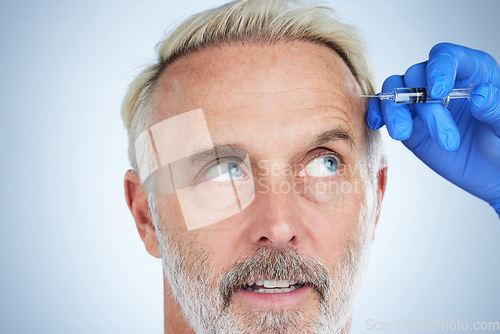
[381,96]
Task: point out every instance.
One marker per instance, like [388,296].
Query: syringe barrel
[408,95]
[461,93]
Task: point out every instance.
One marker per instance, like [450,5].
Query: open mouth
[272,286]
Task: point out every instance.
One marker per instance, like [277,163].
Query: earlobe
[381,184]
[137,201]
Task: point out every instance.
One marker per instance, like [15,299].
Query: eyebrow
[216,152]
[332,135]
[225,150]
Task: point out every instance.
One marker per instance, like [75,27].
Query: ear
[381,183]
[137,201]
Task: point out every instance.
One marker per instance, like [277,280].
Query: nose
[275,219]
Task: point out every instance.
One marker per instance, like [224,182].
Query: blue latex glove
[462,142]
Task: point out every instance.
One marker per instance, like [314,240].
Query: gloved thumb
[485,105]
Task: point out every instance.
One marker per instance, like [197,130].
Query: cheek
[206,239]
[170,213]
[333,224]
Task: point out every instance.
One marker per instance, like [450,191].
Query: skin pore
[287,105]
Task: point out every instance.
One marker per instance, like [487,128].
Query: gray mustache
[277,263]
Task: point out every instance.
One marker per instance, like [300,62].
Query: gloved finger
[485,105]
[419,141]
[449,62]
[436,119]
[374,116]
[441,126]
[397,117]
[442,69]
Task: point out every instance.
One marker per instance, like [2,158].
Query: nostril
[276,240]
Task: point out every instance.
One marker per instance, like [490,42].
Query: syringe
[409,95]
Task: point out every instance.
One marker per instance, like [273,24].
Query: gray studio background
[71,260]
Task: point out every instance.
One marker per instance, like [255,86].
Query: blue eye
[224,172]
[322,167]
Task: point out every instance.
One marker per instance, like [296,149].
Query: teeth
[276,290]
[272,286]
[283,284]
[275,283]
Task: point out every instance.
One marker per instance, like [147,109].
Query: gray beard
[204,296]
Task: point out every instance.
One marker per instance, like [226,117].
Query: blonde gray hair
[268,21]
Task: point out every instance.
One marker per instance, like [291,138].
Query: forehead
[256,94]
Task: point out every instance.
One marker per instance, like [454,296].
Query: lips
[274,277]
[272,285]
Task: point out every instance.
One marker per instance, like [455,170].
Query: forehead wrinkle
[288,116]
[303,127]
[313,92]
[291,106]
[335,87]
[296,115]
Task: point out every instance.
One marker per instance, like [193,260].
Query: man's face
[294,109]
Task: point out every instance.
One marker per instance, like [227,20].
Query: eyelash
[212,164]
[327,153]
[241,163]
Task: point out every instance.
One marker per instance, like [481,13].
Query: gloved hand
[462,142]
